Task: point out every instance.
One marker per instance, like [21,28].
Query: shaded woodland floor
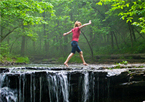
[106,59]
[99,59]
[130,58]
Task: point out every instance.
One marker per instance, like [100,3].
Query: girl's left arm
[67,33]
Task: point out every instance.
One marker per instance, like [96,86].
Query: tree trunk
[132,31]
[34,47]
[89,45]
[40,43]
[112,41]
[13,44]
[139,33]
[134,37]
[108,39]
[1,34]
[23,46]
[0,30]
[44,32]
[131,38]
[65,46]
[116,40]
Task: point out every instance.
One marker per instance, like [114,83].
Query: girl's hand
[64,34]
[90,22]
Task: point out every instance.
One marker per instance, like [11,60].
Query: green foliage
[4,49]
[128,11]
[9,59]
[140,24]
[139,47]
[43,22]
[23,10]
[44,60]
[16,14]
[61,59]
[22,60]
[124,62]
[118,65]
[74,59]
[1,58]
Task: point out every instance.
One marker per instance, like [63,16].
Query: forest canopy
[34,28]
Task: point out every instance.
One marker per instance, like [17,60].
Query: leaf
[129,19]
[127,4]
[99,3]
[121,13]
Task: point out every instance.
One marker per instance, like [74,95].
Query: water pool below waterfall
[78,83]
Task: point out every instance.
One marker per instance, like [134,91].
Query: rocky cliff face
[59,84]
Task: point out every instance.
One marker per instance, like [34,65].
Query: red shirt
[76,33]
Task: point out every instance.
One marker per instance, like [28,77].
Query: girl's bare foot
[66,64]
[85,64]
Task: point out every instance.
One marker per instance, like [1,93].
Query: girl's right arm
[67,33]
[85,24]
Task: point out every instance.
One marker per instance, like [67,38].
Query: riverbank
[99,59]
[11,63]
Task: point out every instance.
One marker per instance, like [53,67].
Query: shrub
[4,49]
[22,60]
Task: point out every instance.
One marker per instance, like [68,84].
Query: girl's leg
[68,58]
[82,58]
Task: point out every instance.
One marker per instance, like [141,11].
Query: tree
[15,13]
[129,11]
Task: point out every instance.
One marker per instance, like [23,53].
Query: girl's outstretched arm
[85,24]
[67,33]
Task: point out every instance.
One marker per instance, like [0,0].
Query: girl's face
[79,24]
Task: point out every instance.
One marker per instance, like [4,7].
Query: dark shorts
[75,47]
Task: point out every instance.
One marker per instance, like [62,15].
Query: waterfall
[85,87]
[34,88]
[51,86]
[57,83]
[2,76]
[58,87]
[62,85]
[6,94]
[20,95]
[23,80]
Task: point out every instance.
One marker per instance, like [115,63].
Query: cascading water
[85,87]
[6,94]
[49,84]
[58,87]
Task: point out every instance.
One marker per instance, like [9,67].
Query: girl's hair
[77,24]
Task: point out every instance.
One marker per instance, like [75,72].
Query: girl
[75,38]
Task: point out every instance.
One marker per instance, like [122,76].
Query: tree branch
[88,44]
[3,37]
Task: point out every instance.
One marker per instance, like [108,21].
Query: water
[85,87]
[58,87]
[8,95]
[55,83]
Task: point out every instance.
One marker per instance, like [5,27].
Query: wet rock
[50,84]
[3,70]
